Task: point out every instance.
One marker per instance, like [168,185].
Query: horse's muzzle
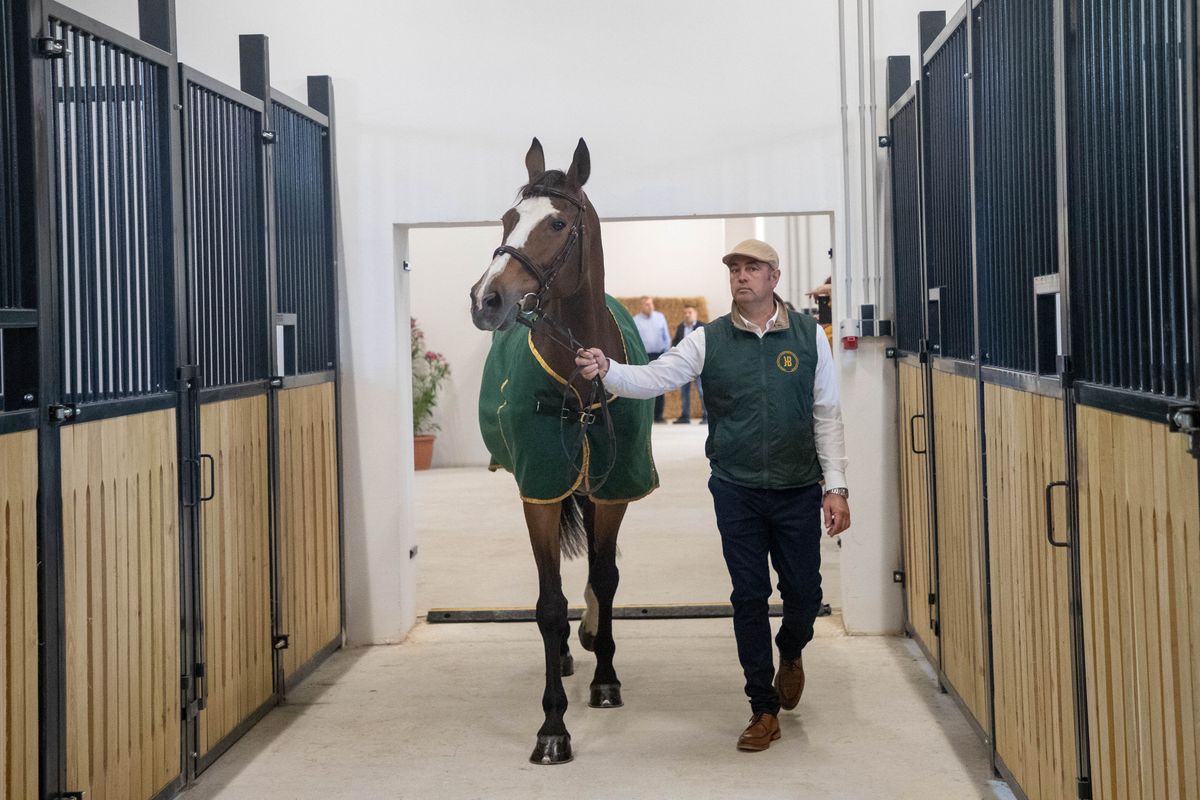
[493,313]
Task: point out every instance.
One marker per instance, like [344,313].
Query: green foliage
[429,371]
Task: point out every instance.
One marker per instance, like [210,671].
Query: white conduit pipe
[844,259]
[864,219]
[872,148]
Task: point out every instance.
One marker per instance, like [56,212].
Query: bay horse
[579,456]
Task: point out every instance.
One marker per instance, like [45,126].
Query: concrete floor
[670,549]
[452,712]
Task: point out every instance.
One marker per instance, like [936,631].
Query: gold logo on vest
[787,361]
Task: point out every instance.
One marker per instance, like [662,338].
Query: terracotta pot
[423,450]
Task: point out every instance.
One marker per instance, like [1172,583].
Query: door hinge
[188,376]
[1066,371]
[1083,788]
[62,413]
[280,642]
[51,47]
[1183,419]
[71,796]
[937,627]
[932,598]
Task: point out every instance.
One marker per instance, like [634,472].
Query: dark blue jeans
[785,526]
[685,399]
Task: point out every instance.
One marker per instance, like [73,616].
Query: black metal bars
[1127,204]
[225,230]
[115,233]
[1017,229]
[304,239]
[14,284]
[906,222]
[947,199]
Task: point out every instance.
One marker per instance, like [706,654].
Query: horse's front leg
[603,577]
[553,741]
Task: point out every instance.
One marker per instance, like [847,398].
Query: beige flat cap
[753,248]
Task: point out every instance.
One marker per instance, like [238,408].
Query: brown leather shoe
[789,682]
[762,730]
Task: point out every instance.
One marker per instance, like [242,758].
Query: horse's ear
[535,160]
[581,165]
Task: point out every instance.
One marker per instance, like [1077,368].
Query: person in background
[690,323]
[656,338]
[778,455]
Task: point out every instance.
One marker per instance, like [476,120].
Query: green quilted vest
[759,396]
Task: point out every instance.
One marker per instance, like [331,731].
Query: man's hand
[591,363]
[837,514]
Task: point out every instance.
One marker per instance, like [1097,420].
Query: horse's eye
[558,224]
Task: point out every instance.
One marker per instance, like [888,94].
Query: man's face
[647,306]
[689,315]
[750,280]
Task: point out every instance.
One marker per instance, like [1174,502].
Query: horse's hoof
[552,749]
[587,639]
[566,663]
[606,695]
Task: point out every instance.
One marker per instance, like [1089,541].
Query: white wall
[689,108]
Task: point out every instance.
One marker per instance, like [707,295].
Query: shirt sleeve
[827,417]
[674,368]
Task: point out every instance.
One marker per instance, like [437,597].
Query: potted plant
[429,372]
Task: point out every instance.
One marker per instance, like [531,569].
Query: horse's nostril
[492,300]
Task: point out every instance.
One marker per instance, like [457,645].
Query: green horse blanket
[519,403]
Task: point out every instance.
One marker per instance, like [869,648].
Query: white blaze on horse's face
[530,213]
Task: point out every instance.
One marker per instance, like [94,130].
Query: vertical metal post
[156,20]
[1066,377]
[985,568]
[929,25]
[1191,114]
[36,147]
[320,97]
[255,59]
[927,364]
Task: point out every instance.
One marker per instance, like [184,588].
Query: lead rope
[562,336]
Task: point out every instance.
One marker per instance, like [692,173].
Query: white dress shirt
[685,361]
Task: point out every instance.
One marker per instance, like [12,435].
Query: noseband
[545,275]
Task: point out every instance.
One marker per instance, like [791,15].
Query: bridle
[545,275]
[531,312]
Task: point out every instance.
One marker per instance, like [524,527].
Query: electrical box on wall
[866,325]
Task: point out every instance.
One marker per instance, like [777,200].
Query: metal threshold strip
[653,611]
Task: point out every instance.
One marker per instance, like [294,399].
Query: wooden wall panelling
[18,615]
[235,566]
[1035,726]
[310,571]
[963,626]
[1140,563]
[121,550]
[914,498]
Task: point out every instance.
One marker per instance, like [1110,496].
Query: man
[652,326]
[689,324]
[775,431]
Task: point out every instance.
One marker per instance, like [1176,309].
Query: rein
[530,313]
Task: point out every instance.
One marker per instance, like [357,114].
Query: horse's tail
[572,530]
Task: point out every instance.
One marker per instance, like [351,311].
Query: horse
[578,455]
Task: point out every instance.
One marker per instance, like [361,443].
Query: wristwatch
[841,490]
